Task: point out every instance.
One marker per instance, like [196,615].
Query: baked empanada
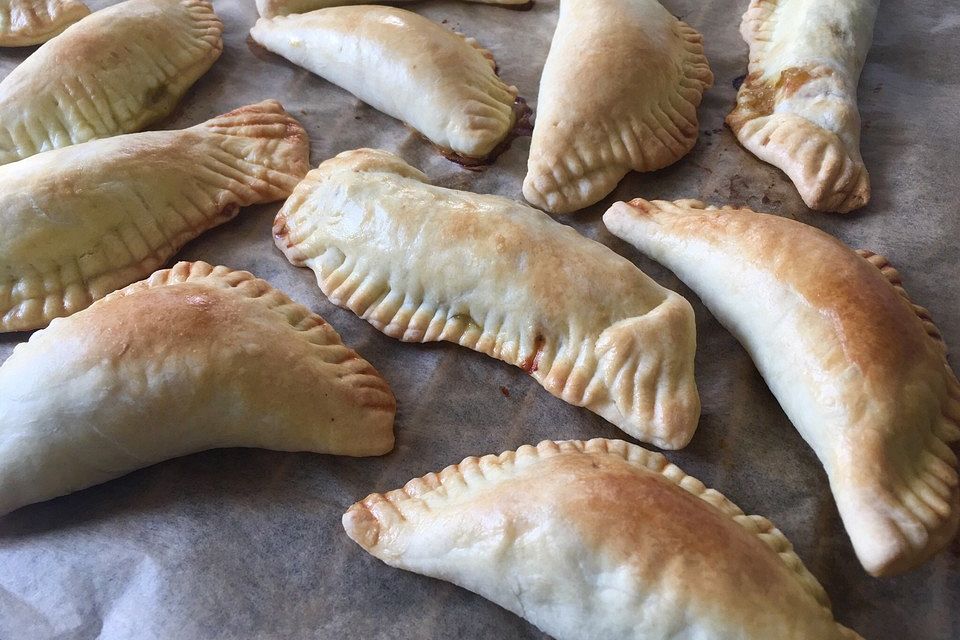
[599,540]
[442,84]
[423,263]
[116,71]
[27,22]
[83,221]
[858,368]
[797,107]
[195,357]
[271,8]
[619,92]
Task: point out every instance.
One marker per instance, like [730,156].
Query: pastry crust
[115,72]
[596,540]
[195,357]
[83,221]
[423,263]
[797,107]
[28,22]
[442,84]
[273,8]
[859,369]
[639,111]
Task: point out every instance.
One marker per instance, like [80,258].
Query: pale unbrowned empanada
[441,83]
[195,357]
[859,369]
[599,540]
[85,220]
[116,71]
[619,92]
[27,22]
[271,8]
[422,263]
[797,107]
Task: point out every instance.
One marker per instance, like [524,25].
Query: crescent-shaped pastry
[423,263]
[637,111]
[272,8]
[442,84]
[27,22]
[599,540]
[116,71]
[83,221]
[195,357]
[858,368]
[797,107]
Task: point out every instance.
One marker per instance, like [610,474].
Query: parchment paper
[248,543]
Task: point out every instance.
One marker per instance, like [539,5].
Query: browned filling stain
[758,97]
[521,127]
[532,362]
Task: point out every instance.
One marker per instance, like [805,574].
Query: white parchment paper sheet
[248,544]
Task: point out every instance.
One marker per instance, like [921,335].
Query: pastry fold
[422,263]
[85,220]
[28,22]
[442,84]
[797,107]
[273,8]
[599,540]
[116,71]
[859,369]
[196,357]
[619,92]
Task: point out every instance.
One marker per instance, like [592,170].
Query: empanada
[423,263]
[797,107]
[619,92]
[27,22]
[83,221]
[116,71]
[599,540]
[441,83]
[195,357]
[271,8]
[858,368]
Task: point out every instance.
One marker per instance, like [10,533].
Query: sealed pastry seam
[635,370]
[797,106]
[29,22]
[138,200]
[583,145]
[863,374]
[193,358]
[502,508]
[72,89]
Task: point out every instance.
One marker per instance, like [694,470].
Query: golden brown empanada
[27,22]
[423,263]
[441,83]
[858,368]
[195,357]
[271,8]
[797,107]
[116,71]
[619,92]
[83,221]
[599,540]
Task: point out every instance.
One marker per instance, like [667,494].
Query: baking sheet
[248,544]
